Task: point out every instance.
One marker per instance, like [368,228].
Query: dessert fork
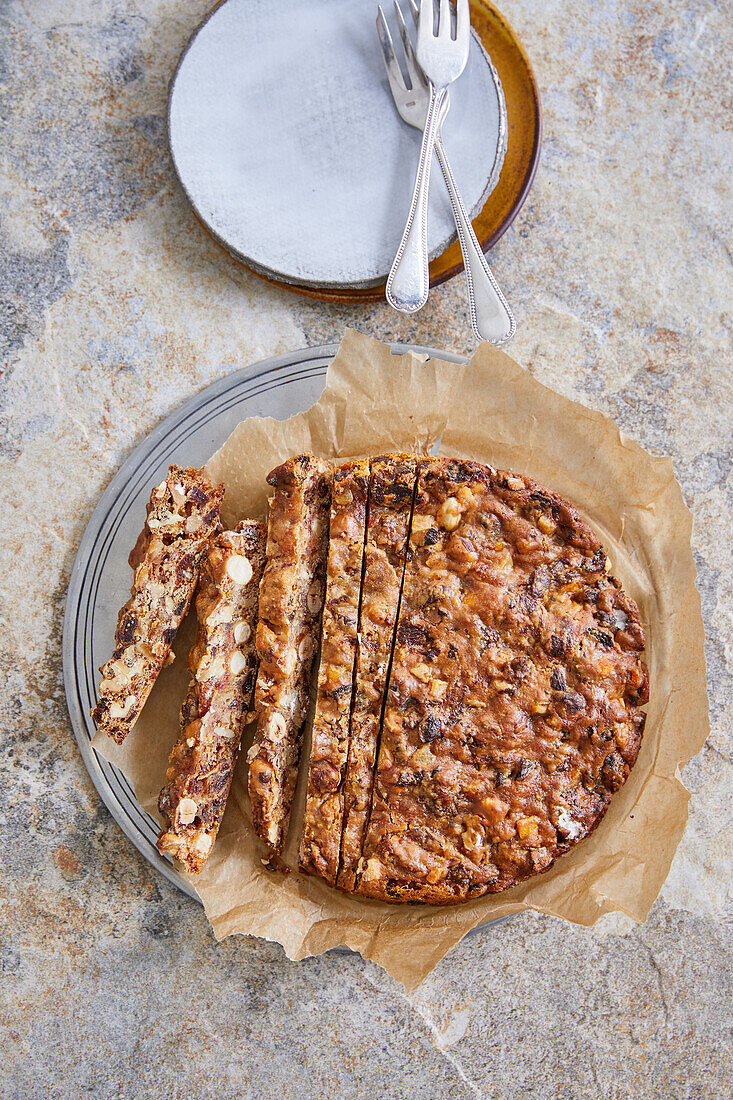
[442,59]
[491,317]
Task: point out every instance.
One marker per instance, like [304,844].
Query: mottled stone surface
[115,307]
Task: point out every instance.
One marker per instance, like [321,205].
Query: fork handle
[491,317]
[408,282]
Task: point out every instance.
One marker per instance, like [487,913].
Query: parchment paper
[489,409]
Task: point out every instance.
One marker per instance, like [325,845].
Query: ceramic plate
[288,145]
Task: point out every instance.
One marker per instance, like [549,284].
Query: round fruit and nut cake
[479,690]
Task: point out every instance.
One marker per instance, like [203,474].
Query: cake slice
[321,840]
[223,664]
[182,514]
[391,490]
[291,599]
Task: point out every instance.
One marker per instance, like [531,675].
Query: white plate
[287,143]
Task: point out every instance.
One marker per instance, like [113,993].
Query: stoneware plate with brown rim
[288,146]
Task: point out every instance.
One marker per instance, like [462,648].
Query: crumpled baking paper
[492,410]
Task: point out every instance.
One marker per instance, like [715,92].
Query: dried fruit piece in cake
[321,840]
[291,600]
[182,514]
[223,665]
[391,490]
[513,709]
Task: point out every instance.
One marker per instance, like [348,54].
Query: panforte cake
[182,514]
[480,693]
[321,840]
[223,665]
[513,708]
[391,490]
[290,604]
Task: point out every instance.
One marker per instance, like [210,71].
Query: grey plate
[100,578]
[287,143]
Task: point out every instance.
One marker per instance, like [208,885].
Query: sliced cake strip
[321,840]
[391,490]
[182,514]
[223,665]
[513,708]
[291,600]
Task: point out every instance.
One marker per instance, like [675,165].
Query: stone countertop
[116,306]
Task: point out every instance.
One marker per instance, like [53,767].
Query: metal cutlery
[491,317]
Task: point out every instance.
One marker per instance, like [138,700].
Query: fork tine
[444,20]
[402,28]
[425,23]
[415,12]
[463,20]
[414,71]
[394,76]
